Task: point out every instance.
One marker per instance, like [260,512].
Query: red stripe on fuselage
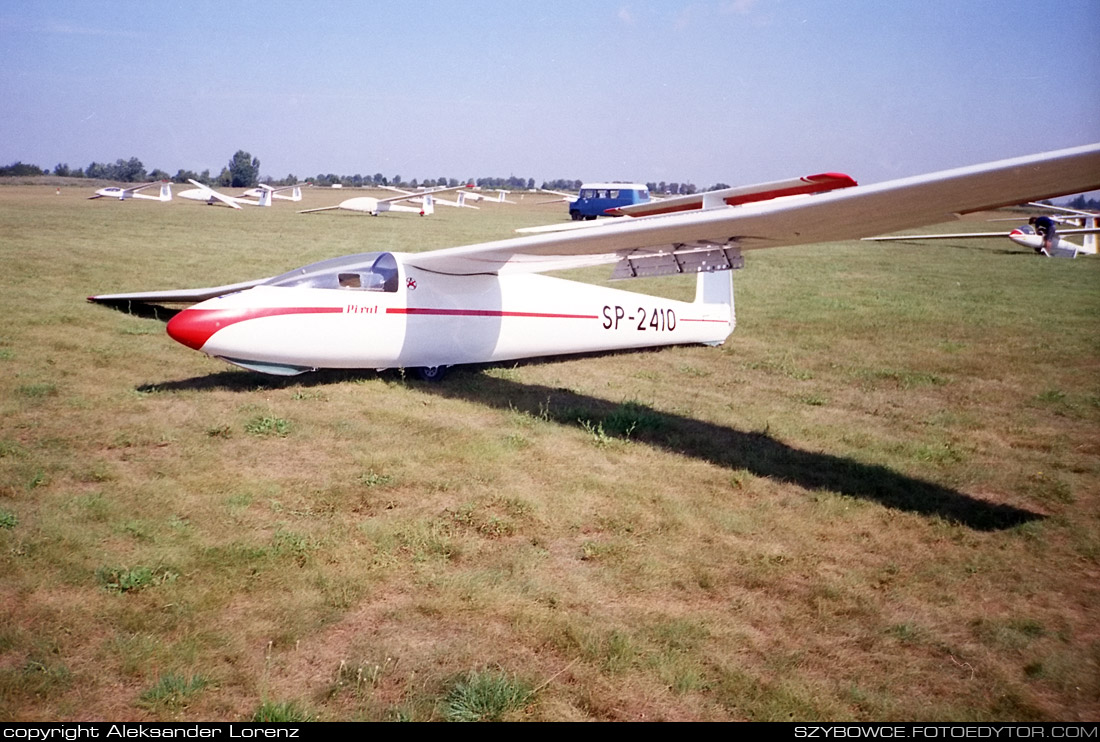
[425,311]
[193,327]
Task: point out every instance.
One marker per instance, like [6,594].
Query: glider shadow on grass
[756,452]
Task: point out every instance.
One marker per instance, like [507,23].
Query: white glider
[417,197]
[212,198]
[1026,235]
[500,198]
[277,192]
[487,303]
[123,194]
[375,206]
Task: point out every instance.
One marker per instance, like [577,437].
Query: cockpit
[372,271]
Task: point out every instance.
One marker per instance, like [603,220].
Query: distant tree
[1084,204]
[396,182]
[130,171]
[182,176]
[158,174]
[530,184]
[21,168]
[718,187]
[244,170]
[225,178]
[125,171]
[62,169]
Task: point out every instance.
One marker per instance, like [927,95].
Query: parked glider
[417,197]
[1044,239]
[500,198]
[122,194]
[375,206]
[487,302]
[212,198]
[277,192]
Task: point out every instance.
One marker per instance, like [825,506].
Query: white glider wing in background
[207,194]
[483,303]
[124,194]
[417,197]
[375,206]
[1053,245]
[277,191]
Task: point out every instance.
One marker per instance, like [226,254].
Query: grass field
[880,500]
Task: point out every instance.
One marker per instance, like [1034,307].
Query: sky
[730,91]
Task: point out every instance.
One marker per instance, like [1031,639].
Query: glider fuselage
[349,317]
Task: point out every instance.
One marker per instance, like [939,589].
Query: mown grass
[879,500]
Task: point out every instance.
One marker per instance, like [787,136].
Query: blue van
[597,198]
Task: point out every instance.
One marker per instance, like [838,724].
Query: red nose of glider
[193,327]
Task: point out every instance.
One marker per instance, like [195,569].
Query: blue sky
[737,91]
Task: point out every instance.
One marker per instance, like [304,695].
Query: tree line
[243,171]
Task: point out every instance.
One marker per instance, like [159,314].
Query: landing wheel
[431,373]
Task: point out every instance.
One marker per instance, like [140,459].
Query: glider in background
[375,206]
[276,192]
[1040,233]
[487,302]
[123,194]
[212,198]
[417,197]
[501,197]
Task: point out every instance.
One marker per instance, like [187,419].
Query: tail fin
[1088,243]
[428,206]
[265,197]
[165,191]
[715,288]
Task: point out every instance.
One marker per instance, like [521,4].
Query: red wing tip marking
[843,180]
